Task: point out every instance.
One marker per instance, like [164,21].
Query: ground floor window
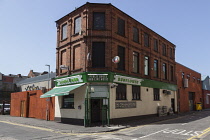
[68,101]
[156,93]
[136,92]
[121,92]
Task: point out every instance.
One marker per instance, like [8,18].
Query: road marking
[98,133]
[184,123]
[35,127]
[183,132]
[199,136]
[150,134]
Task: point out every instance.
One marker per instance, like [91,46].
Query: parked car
[6,108]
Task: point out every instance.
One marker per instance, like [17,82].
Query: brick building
[206,92]
[90,86]
[8,85]
[189,88]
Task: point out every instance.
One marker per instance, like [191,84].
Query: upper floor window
[99,20]
[121,54]
[182,75]
[98,54]
[136,92]
[63,59]
[155,45]
[77,57]
[146,40]
[121,27]
[121,92]
[164,49]
[135,62]
[171,53]
[135,34]
[164,71]
[64,32]
[146,65]
[77,25]
[172,73]
[194,79]
[156,68]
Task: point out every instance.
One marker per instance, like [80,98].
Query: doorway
[22,108]
[96,111]
[191,100]
[173,104]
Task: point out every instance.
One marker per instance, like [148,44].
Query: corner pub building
[90,87]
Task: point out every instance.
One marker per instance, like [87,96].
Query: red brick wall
[193,86]
[205,105]
[7,79]
[112,41]
[35,107]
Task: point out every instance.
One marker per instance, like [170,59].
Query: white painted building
[37,83]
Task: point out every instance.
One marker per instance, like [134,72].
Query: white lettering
[196,133]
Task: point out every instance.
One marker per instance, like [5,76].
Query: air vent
[185,83]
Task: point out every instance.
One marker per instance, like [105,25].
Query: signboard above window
[69,80]
[127,80]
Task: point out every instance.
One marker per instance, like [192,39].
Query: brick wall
[32,105]
[194,85]
[112,41]
[206,104]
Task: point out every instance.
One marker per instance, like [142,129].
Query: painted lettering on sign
[127,80]
[124,105]
[98,78]
[69,80]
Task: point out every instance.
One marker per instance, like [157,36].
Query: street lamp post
[47,109]
[48,75]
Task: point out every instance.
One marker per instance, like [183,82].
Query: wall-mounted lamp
[64,67]
[113,85]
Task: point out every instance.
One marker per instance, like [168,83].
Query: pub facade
[104,97]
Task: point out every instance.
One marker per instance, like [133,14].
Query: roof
[37,79]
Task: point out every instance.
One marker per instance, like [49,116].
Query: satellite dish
[116,59]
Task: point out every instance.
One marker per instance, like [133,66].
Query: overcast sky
[28,30]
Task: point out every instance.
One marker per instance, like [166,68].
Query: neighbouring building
[206,92]
[8,85]
[110,67]
[37,83]
[189,88]
[34,74]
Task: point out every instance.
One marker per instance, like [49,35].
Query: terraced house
[110,67]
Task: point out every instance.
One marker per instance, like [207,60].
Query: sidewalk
[68,128]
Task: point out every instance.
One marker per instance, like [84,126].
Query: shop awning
[60,91]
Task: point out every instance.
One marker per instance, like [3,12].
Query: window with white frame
[77,25]
[64,32]
[146,65]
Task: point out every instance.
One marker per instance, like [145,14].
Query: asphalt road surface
[193,127]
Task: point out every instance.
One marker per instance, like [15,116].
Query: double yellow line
[47,129]
[199,136]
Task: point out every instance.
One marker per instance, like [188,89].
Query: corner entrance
[96,111]
[99,110]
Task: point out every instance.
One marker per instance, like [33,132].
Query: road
[193,127]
